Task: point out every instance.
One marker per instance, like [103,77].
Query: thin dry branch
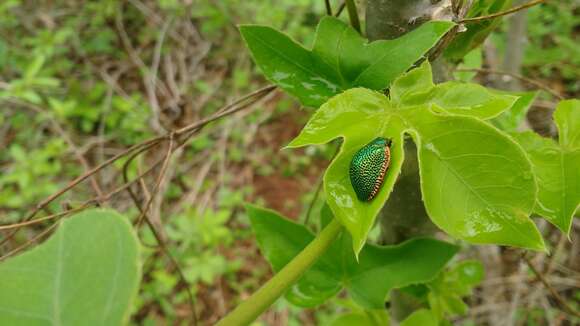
[60,130]
[86,204]
[503,13]
[28,243]
[548,286]
[159,180]
[328,7]
[184,133]
[516,76]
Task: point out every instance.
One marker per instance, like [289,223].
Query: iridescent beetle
[368,168]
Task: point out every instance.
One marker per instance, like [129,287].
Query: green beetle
[368,168]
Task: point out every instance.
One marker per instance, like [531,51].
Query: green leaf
[369,280]
[363,318]
[469,99]
[450,286]
[87,273]
[556,166]
[483,193]
[471,60]
[421,317]
[567,117]
[512,118]
[289,65]
[340,58]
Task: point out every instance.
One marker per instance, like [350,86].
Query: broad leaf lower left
[87,273]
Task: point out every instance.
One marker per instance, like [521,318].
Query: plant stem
[353,14]
[256,304]
[328,7]
[503,13]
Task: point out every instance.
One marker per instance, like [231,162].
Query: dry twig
[516,76]
[548,286]
[503,13]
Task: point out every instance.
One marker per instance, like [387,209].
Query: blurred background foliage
[82,80]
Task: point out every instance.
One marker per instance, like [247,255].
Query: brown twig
[340,9]
[548,286]
[328,7]
[85,204]
[502,13]
[44,203]
[144,217]
[28,243]
[60,130]
[185,133]
[159,180]
[516,76]
[353,15]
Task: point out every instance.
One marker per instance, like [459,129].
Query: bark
[516,41]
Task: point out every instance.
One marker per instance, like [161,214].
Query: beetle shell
[368,168]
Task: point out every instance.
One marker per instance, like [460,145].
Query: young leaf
[87,273]
[340,58]
[471,60]
[476,182]
[556,166]
[421,317]
[511,119]
[376,317]
[379,269]
[450,286]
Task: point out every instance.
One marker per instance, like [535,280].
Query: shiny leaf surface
[340,58]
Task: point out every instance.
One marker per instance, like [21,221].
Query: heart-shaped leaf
[477,183]
[368,281]
[87,273]
[557,166]
[340,58]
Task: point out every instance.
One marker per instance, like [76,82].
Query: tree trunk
[404,216]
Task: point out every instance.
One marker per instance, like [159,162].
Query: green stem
[256,304]
[353,14]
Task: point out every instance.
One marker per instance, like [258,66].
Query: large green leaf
[340,58]
[557,166]
[477,183]
[369,280]
[87,273]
